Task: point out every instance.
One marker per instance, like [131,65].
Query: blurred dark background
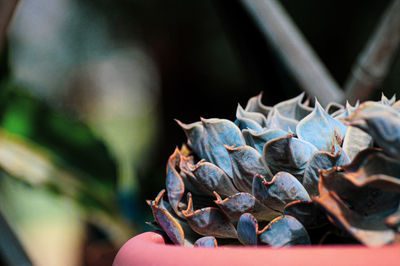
[89,91]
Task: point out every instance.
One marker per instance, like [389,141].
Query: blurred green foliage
[46,148]
[70,140]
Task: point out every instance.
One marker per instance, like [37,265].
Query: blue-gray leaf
[255,105]
[283,189]
[246,163]
[235,205]
[319,161]
[294,108]
[276,120]
[208,137]
[284,231]
[214,179]
[258,140]
[384,127]
[320,129]
[206,242]
[247,230]
[288,154]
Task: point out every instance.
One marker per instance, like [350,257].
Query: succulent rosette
[363,197]
[264,178]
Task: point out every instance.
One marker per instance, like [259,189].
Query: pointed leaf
[276,120]
[345,112]
[255,105]
[250,120]
[246,124]
[386,101]
[320,129]
[294,108]
[258,140]
[333,107]
[370,108]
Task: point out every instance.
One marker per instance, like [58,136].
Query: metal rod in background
[374,62]
[7,8]
[301,60]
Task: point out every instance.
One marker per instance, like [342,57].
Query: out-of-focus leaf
[386,101]
[11,250]
[333,107]
[384,127]
[19,117]
[374,169]
[393,221]
[374,200]
[24,115]
[345,112]
[206,242]
[318,161]
[370,230]
[355,141]
[370,108]
[368,178]
[308,213]
[35,166]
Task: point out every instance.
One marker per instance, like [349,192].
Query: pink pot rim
[150,249]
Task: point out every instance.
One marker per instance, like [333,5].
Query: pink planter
[150,249]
